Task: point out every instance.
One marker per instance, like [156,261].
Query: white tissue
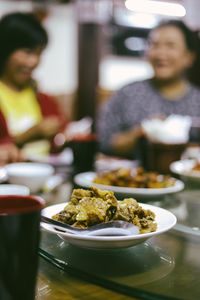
[173,130]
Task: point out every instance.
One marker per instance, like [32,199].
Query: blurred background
[97,46]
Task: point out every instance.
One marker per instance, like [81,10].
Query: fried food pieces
[139,179]
[90,207]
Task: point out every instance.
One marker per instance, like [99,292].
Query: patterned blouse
[136,102]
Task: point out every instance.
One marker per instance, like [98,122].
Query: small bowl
[32,175]
[14,189]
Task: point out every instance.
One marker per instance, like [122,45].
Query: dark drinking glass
[19,231]
[84,149]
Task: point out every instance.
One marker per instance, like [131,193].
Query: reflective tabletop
[164,267]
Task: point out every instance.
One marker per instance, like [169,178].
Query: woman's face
[168,53]
[20,65]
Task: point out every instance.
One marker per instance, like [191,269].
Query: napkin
[172,130]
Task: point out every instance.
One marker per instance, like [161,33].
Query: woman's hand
[124,142]
[9,153]
[49,127]
[46,129]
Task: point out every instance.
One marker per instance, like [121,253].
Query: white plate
[86,180]
[184,169]
[165,220]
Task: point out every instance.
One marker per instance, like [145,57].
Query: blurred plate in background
[184,167]
[86,180]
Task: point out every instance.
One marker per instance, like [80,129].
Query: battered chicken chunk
[88,207]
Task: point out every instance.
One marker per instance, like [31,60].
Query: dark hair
[189,35]
[20,30]
[192,42]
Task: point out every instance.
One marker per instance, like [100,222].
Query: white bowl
[32,175]
[14,189]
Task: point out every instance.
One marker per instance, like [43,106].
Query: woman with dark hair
[172,52]
[25,113]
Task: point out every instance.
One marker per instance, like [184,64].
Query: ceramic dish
[165,221]
[32,175]
[14,189]
[184,169]
[86,180]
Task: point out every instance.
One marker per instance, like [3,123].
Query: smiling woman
[25,113]
[172,52]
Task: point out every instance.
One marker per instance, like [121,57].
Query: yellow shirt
[20,109]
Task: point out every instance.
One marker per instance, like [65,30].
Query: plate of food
[187,169]
[94,206]
[131,182]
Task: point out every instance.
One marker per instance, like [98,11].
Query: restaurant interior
[109,219]
[115,56]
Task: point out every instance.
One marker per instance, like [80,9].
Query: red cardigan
[48,108]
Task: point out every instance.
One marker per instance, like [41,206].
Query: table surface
[164,267]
